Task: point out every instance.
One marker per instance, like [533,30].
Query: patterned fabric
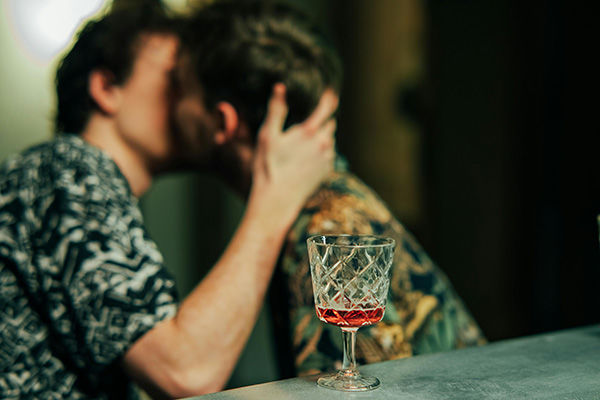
[423,314]
[80,280]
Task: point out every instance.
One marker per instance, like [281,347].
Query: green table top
[559,365]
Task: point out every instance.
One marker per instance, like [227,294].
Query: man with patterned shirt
[261,44]
[86,305]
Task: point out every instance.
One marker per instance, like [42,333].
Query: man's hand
[290,165]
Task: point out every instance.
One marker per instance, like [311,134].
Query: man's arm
[195,352]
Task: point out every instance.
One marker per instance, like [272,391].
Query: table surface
[559,365]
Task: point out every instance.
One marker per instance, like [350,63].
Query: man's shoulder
[40,160]
[62,177]
[63,163]
[344,203]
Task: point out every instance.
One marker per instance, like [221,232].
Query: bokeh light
[45,27]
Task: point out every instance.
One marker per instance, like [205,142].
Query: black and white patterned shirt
[80,279]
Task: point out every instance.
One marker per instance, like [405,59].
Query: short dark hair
[109,43]
[239,50]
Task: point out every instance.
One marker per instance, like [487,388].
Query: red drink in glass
[357,317]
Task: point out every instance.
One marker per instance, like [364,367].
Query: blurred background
[474,120]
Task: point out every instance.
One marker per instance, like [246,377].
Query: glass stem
[349,362]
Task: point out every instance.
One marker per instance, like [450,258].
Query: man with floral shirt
[259,44]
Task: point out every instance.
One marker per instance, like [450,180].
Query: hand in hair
[293,163]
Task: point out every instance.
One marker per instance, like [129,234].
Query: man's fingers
[277,110]
[326,107]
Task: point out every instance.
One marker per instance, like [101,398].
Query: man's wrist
[272,211]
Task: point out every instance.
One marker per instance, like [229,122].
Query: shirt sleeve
[109,286]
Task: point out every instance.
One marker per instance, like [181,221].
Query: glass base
[348,382]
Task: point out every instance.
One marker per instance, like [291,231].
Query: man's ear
[229,122]
[104,91]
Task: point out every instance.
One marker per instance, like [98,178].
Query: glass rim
[385,240]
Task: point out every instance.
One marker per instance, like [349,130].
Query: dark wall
[511,161]
[508,177]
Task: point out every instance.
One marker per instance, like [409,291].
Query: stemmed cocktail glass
[350,276]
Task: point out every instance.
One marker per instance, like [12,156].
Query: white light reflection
[46,27]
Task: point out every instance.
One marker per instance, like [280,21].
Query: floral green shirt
[423,315]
